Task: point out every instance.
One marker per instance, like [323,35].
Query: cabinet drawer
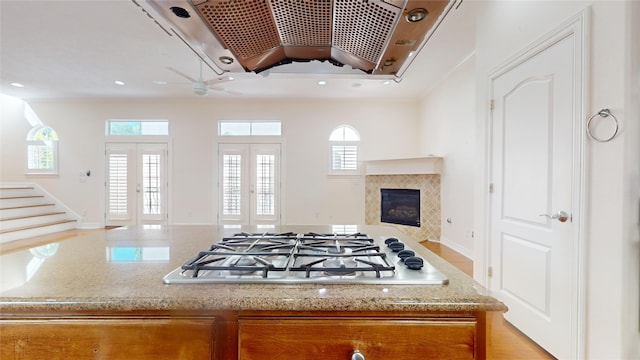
[112,338]
[322,338]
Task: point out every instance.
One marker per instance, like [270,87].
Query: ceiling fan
[201,87]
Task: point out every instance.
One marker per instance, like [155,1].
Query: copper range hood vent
[374,37]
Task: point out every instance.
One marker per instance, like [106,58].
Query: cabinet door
[303,338]
[114,338]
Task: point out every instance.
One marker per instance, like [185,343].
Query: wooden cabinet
[114,337]
[338,338]
[230,335]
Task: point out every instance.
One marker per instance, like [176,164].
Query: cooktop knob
[391,240]
[405,254]
[414,262]
[396,246]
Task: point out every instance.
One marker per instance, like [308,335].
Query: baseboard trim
[457,248]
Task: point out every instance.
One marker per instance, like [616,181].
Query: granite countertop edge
[142,304]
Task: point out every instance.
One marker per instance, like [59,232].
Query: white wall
[631,248]
[503,29]
[387,130]
[13,134]
[448,129]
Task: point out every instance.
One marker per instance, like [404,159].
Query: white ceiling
[78,48]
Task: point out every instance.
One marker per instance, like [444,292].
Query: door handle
[561,216]
[357,355]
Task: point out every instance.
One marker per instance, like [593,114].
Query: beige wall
[447,129]
[386,128]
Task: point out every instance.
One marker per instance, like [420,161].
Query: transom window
[249,128]
[137,128]
[344,141]
[42,150]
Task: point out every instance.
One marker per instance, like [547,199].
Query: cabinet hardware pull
[357,355]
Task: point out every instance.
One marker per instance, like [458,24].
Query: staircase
[27,211]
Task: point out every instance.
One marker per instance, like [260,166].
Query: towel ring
[604,113]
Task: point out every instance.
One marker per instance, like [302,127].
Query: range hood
[367,37]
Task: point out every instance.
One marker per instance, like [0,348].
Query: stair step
[36,226]
[33,216]
[26,206]
[16,188]
[20,197]
[15,201]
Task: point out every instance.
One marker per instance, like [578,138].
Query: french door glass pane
[232,184]
[265,184]
[118,184]
[151,180]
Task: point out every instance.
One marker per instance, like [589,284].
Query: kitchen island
[102,296]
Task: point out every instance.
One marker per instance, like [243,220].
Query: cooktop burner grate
[305,258]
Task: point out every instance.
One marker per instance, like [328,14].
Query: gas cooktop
[307,258]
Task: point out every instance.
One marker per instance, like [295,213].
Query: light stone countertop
[122,270]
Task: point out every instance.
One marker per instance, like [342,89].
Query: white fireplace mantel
[406,166]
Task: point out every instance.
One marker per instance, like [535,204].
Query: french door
[136,184]
[249,183]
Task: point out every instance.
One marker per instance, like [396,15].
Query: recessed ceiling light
[386,82]
[356,85]
[159,82]
[226,60]
[416,15]
[17,84]
[118,82]
[180,12]
[322,82]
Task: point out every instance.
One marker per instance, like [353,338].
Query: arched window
[42,150]
[344,141]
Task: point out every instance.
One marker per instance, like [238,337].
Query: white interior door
[249,183]
[136,184]
[533,177]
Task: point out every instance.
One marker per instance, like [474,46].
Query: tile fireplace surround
[429,186]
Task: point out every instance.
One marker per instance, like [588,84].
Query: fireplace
[400,206]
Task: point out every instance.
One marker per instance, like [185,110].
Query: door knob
[561,216]
[357,355]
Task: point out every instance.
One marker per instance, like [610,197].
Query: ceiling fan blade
[219,80]
[232,92]
[181,74]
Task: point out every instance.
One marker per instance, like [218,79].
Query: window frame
[335,140]
[110,136]
[51,144]
[250,125]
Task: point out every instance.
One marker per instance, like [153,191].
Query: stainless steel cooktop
[307,258]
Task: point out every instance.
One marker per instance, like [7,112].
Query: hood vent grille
[374,19]
[370,35]
[245,27]
[303,23]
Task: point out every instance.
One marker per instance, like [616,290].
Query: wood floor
[504,342]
